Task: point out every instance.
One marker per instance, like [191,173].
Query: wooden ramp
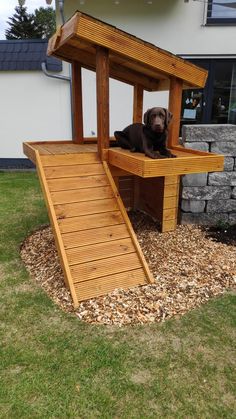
[95,240]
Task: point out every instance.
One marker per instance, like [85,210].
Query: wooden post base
[170,203]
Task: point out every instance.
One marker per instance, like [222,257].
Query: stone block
[223,178]
[233,193]
[195,179]
[202,146]
[206,192]
[221,205]
[228,148]
[209,133]
[232,218]
[229,164]
[203,219]
[190,205]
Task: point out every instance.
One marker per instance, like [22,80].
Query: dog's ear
[168,117]
[146,117]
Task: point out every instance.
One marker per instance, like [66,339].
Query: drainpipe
[58,76]
[53,76]
[61,10]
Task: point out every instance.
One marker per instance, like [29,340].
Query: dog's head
[157,119]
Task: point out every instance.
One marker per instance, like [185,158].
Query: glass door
[216,103]
[232,100]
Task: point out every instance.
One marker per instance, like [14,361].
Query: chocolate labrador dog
[149,138]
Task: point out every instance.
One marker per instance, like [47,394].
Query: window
[216,103]
[221,12]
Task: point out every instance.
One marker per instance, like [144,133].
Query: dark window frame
[217,21]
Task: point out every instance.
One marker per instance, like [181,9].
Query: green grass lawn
[54,366]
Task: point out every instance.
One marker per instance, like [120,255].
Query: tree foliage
[38,25]
[45,21]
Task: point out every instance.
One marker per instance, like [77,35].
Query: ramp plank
[100,286]
[83,208]
[79,195]
[99,251]
[104,267]
[73,170]
[96,243]
[77,182]
[86,222]
[95,235]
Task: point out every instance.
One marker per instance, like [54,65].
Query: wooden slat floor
[93,234]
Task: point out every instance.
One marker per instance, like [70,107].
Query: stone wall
[210,198]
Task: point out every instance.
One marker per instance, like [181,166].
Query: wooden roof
[132,60]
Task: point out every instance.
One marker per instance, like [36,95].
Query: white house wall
[32,108]
[174,25]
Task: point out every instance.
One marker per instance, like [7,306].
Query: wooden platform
[96,243]
[186,161]
[158,199]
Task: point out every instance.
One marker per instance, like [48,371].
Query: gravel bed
[190,265]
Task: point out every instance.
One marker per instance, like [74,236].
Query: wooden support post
[137,117]
[77,102]
[138,103]
[170,203]
[175,99]
[102,76]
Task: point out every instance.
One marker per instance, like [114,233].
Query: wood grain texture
[95,235]
[76,209]
[56,230]
[104,267]
[139,252]
[134,49]
[70,159]
[99,251]
[90,221]
[102,83]
[138,103]
[77,105]
[81,195]
[175,100]
[58,172]
[101,286]
[143,166]
[77,182]
[170,203]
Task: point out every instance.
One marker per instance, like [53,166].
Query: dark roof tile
[26,55]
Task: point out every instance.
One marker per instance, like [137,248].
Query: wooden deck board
[95,235]
[104,267]
[100,286]
[80,195]
[99,251]
[78,182]
[85,222]
[76,209]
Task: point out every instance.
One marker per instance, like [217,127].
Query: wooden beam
[77,104]
[175,99]
[102,78]
[138,103]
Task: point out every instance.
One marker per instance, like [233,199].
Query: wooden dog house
[87,185]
